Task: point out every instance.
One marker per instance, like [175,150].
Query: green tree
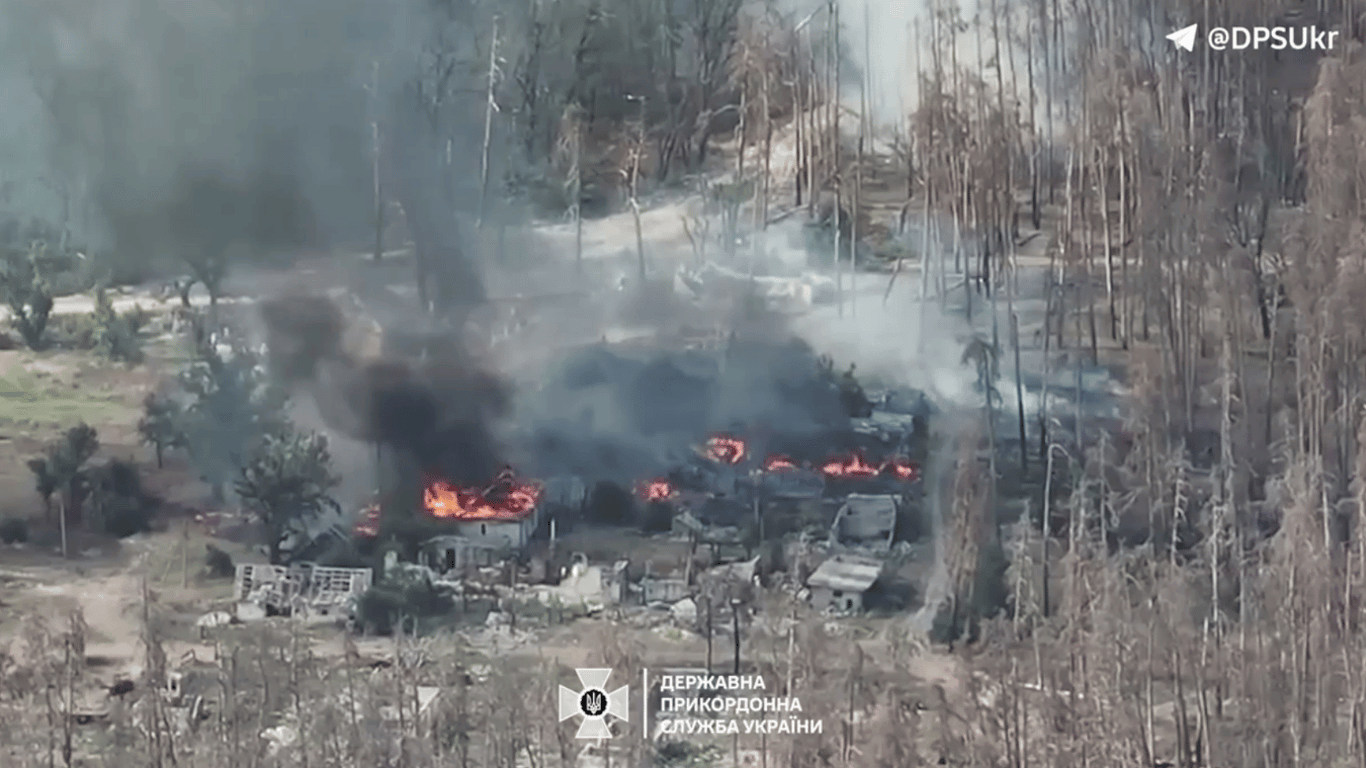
[63,469]
[45,482]
[25,290]
[116,336]
[232,406]
[159,426]
[210,269]
[288,480]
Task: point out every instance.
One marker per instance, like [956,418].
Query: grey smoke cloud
[201,124]
[442,409]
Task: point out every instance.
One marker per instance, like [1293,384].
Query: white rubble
[684,611]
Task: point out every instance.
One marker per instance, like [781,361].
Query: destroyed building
[305,591]
[444,554]
[866,522]
[842,583]
[508,513]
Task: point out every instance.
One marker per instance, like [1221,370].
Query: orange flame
[778,463]
[903,469]
[727,450]
[853,466]
[656,490]
[508,499]
[856,467]
[368,524]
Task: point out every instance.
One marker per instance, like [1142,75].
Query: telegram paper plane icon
[1184,38]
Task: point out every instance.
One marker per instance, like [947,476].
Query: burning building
[508,512]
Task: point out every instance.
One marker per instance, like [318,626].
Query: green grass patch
[29,398]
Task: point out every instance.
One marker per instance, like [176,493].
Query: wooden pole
[735,618]
[61,520]
[185,554]
[709,633]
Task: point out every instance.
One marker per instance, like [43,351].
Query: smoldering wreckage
[818,490]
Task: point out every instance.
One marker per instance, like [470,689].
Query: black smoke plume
[441,408]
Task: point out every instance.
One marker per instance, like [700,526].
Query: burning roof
[726,450]
[509,498]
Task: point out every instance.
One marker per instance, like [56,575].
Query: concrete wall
[822,598]
[514,533]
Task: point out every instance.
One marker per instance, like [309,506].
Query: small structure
[737,579]
[686,525]
[841,582]
[306,591]
[663,590]
[444,554]
[866,522]
[615,586]
[509,531]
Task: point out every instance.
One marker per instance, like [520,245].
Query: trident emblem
[594,704]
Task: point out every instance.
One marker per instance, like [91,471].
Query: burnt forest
[682,383]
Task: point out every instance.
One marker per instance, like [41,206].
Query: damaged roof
[845,574]
[867,517]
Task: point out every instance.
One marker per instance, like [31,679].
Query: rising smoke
[200,129]
[441,409]
[197,125]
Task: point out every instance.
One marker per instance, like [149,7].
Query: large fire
[509,498]
[726,450]
[656,490]
[855,467]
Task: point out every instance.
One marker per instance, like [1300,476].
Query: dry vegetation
[1200,224]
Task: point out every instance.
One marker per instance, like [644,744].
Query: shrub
[115,334]
[159,426]
[25,290]
[137,318]
[119,506]
[218,564]
[405,595]
[73,332]
[685,754]
[13,530]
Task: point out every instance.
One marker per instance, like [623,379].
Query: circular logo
[593,702]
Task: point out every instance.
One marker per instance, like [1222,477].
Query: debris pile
[305,591]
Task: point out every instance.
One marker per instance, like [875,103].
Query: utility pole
[709,631]
[735,617]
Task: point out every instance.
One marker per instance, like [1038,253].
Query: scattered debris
[305,591]
[685,612]
[215,619]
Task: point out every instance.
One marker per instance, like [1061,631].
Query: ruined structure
[841,583]
[444,554]
[866,522]
[305,591]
